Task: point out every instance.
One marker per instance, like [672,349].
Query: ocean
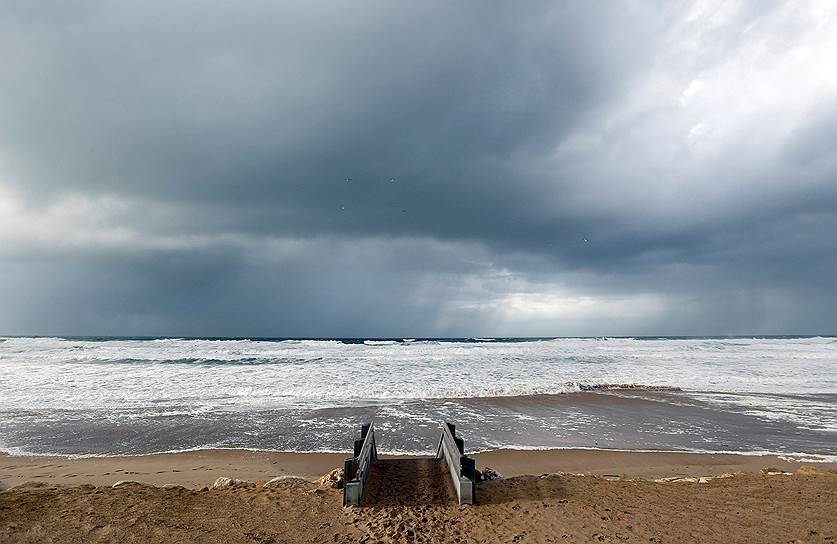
[114,396]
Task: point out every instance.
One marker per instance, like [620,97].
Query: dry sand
[751,507]
[189,469]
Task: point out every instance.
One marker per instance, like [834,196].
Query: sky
[385,169]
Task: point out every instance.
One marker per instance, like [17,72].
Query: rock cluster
[489,473]
[626,387]
[334,479]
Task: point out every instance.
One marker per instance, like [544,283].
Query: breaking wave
[84,373]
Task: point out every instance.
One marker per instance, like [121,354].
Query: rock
[32,484]
[770,471]
[224,482]
[334,479]
[812,471]
[678,479]
[489,473]
[126,483]
[284,478]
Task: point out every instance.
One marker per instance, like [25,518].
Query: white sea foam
[807,413]
[125,396]
[76,374]
[791,457]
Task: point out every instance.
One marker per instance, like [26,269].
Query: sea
[103,396]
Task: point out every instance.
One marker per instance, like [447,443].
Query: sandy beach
[546,496]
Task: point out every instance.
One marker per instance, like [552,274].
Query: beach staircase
[431,479]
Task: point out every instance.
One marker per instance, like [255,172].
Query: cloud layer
[368,168]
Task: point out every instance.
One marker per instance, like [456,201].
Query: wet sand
[632,419]
[634,464]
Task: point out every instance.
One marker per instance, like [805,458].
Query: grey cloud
[491,151]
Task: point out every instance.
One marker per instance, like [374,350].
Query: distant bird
[392,180]
[348,180]
[343,208]
[585,240]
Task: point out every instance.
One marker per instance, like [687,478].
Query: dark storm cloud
[429,168]
[268,110]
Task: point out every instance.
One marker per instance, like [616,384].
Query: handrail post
[356,469]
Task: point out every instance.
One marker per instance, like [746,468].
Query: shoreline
[198,468]
[795,457]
